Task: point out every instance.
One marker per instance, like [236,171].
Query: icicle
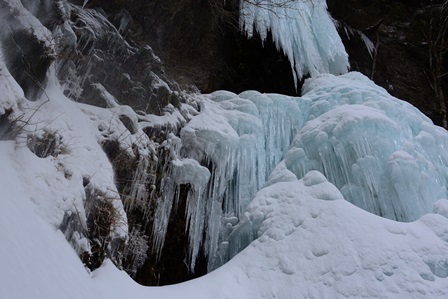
[138,191]
[302,29]
[240,139]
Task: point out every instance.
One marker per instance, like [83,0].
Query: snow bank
[311,244]
[36,259]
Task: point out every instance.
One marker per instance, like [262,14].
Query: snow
[320,246]
[79,158]
[308,247]
[302,29]
[37,261]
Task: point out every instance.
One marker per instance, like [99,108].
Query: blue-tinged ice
[382,153]
[303,30]
[239,139]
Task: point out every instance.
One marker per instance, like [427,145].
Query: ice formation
[302,29]
[381,153]
[225,154]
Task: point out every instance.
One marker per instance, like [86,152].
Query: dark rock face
[200,44]
[405,36]
[27,52]
[171,266]
[99,65]
[28,62]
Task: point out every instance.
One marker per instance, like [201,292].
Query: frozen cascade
[302,29]
[224,154]
[381,153]
[384,155]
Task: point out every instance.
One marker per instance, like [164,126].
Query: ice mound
[381,153]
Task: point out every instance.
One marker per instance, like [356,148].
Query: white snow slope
[312,244]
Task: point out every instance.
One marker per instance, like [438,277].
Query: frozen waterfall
[284,173]
[303,30]
[384,156]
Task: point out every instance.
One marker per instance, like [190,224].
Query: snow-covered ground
[311,244]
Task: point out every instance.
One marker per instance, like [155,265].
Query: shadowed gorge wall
[200,44]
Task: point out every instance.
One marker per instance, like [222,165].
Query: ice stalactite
[182,172]
[303,30]
[223,155]
[239,138]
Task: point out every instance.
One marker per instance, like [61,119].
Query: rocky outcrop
[27,48]
[99,64]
